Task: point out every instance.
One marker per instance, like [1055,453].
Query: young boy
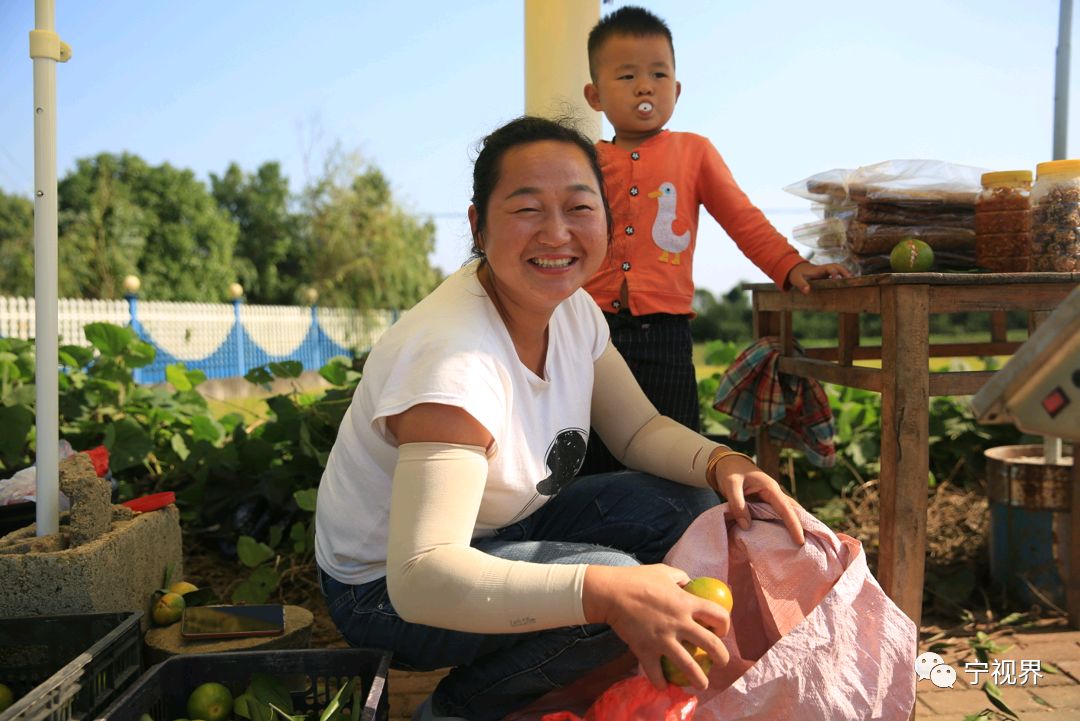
[656,181]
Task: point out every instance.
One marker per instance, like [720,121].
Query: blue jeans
[612,519]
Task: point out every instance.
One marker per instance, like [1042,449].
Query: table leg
[905,453]
[848,332]
[767,323]
[998,326]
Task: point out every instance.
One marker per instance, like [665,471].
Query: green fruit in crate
[911,255]
[6,697]
[210,702]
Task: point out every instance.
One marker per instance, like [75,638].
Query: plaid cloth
[796,410]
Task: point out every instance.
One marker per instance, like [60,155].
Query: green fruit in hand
[712,589]
[168,609]
[675,675]
[911,255]
[7,697]
[210,702]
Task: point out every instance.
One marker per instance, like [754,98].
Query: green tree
[119,215]
[16,245]
[366,250]
[268,256]
[725,318]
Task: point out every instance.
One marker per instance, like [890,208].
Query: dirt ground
[206,567]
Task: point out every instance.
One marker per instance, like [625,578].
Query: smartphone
[232,621]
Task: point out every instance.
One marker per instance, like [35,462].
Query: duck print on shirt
[669,232]
[563,459]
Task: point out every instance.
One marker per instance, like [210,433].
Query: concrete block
[117,571]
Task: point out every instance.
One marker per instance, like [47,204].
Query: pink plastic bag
[813,635]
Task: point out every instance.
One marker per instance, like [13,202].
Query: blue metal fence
[220,340]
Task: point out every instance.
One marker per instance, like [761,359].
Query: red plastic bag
[635,699]
[100,458]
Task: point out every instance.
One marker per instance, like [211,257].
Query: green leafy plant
[17,397]
[166,438]
[266,699]
[957,443]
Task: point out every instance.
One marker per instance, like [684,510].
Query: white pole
[1052,447]
[1061,82]
[46,50]
[556,61]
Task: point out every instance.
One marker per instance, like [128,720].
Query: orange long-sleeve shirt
[655,192]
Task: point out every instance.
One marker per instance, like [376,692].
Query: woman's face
[546,230]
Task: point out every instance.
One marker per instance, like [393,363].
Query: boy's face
[635,85]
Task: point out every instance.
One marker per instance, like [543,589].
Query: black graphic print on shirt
[563,460]
[564,457]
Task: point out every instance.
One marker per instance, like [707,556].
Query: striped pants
[660,352]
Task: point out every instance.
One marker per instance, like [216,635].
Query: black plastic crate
[70,667]
[312,675]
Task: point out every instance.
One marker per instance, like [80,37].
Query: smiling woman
[452,527]
[541,236]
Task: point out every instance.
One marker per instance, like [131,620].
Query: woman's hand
[801,275]
[737,477]
[647,608]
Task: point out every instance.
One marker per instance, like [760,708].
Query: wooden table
[904,302]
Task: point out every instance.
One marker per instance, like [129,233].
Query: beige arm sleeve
[436,578]
[636,433]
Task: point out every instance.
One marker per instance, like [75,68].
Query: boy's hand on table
[801,275]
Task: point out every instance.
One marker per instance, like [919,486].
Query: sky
[783,88]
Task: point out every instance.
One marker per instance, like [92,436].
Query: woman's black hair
[522,131]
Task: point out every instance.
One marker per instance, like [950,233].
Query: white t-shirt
[453,348]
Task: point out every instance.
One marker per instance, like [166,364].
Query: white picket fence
[206,334]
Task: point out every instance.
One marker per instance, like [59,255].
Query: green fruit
[712,589]
[146,717]
[7,697]
[183,588]
[168,609]
[210,702]
[675,675]
[911,255]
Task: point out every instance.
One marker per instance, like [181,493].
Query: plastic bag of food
[828,238]
[955,216]
[821,234]
[882,238]
[944,261]
[925,182]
